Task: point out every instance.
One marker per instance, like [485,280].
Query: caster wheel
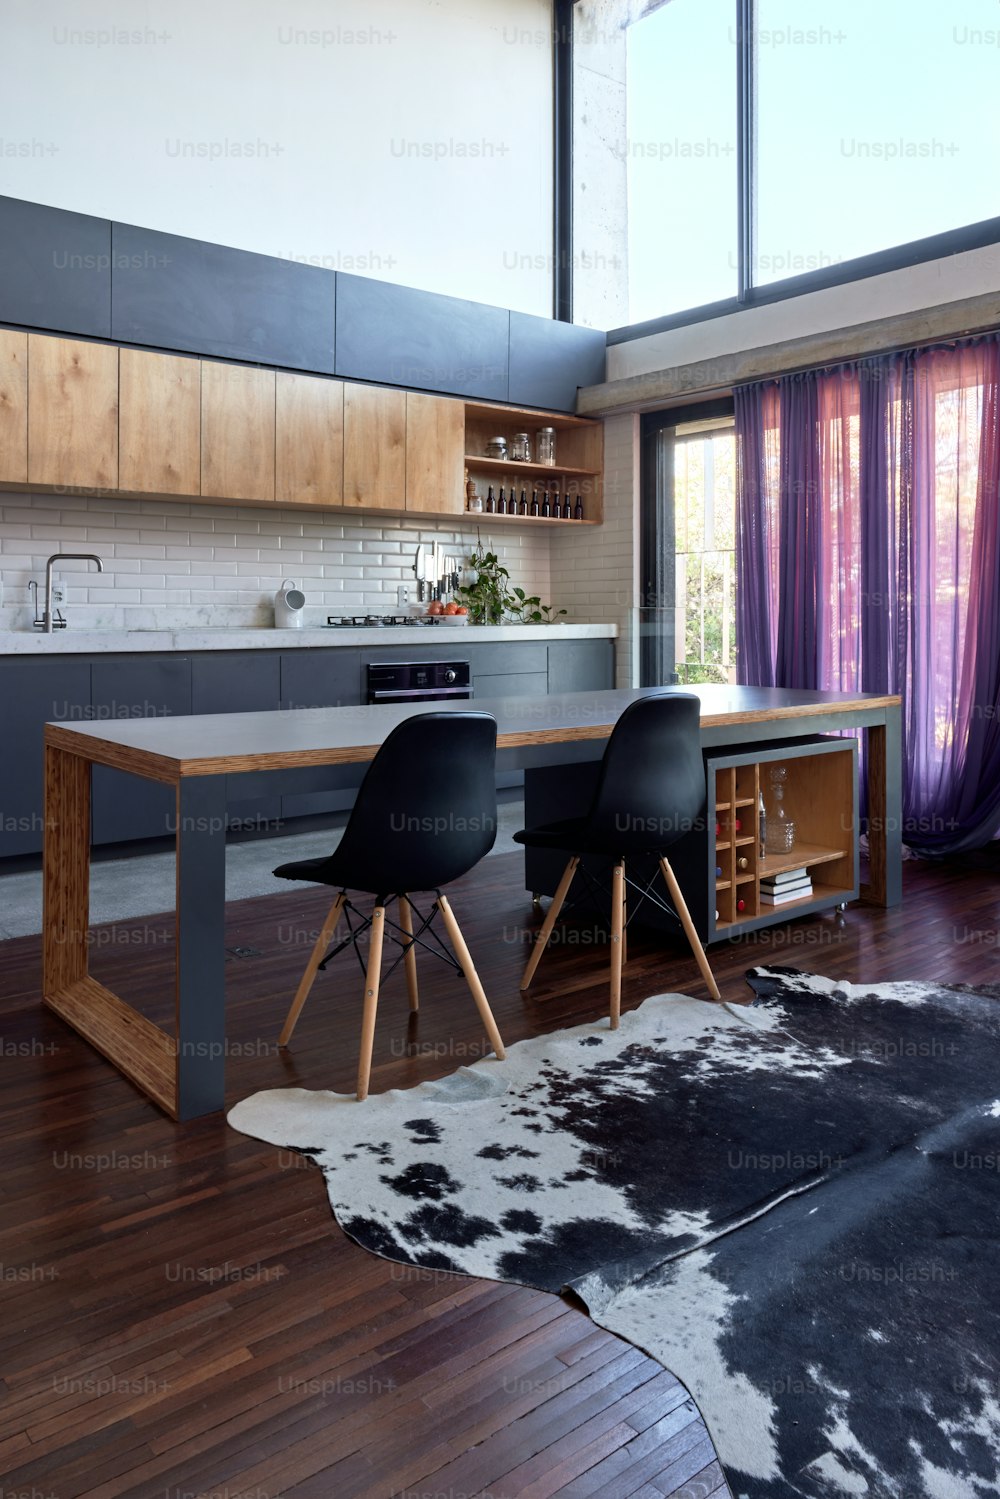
[536,900]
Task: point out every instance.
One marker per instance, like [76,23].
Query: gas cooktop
[379,621]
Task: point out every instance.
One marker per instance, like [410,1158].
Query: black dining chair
[650,792]
[425,814]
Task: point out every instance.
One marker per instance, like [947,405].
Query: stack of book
[790,884]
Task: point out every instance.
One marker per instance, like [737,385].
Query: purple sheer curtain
[868,558]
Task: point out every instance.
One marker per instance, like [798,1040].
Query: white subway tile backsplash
[165,562]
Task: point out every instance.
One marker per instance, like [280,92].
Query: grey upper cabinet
[398,336]
[34,692]
[549,360]
[177,293]
[124,806]
[55,269]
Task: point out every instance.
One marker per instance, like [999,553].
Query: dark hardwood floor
[181,1315]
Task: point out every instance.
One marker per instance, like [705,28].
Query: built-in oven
[418,681]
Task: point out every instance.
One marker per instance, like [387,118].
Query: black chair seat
[573,834]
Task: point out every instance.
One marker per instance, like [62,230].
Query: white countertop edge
[449,638]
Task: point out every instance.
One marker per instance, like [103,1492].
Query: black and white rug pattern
[793,1206]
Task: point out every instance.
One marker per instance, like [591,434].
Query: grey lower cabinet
[320,679]
[581,665]
[33,692]
[38,689]
[241,682]
[126,807]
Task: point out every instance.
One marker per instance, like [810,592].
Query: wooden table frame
[185,1072]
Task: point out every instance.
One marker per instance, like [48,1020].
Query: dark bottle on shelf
[578,510]
[523,507]
[546,507]
[567,507]
[556,507]
[491,503]
[534,502]
[502,503]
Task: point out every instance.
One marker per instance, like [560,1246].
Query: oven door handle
[421,692]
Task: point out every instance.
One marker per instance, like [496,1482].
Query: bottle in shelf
[491,503]
[743,863]
[502,502]
[567,507]
[578,509]
[741,905]
[534,502]
[546,507]
[522,509]
[762,823]
[556,507]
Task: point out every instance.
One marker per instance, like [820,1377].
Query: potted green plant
[490,598]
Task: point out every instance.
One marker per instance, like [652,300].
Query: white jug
[289,606]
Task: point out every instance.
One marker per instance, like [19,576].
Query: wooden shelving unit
[820,797]
[578,468]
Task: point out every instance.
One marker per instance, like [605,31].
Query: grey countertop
[449,637]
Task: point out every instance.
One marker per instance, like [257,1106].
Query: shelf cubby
[820,797]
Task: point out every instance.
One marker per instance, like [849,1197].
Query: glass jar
[520,448]
[496,447]
[545,445]
[779,835]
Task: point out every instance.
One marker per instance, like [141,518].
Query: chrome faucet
[47,622]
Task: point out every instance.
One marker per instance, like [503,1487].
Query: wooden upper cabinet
[309,440]
[435,454]
[237,432]
[13,407]
[374,447]
[72,413]
[159,423]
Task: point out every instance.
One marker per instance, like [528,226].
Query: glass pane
[680,150]
[704,500]
[877,124]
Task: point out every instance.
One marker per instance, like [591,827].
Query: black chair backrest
[426,811]
[651,789]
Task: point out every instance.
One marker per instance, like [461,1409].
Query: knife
[419,572]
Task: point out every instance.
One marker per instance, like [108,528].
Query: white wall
[408,140]
[594,571]
[933,283]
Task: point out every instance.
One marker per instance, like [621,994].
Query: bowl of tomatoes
[447,614]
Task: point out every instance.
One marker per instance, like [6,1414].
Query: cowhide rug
[794,1206]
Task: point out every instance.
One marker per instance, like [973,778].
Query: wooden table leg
[66,878]
[133,1044]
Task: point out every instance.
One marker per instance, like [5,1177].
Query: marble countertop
[234,638]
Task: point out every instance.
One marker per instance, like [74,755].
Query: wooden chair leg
[680,906]
[309,977]
[541,941]
[617,932]
[372,978]
[624,924]
[410,956]
[471,976]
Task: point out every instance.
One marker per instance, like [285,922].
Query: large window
[723,146]
[680,158]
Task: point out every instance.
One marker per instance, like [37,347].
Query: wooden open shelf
[578,468]
[820,797]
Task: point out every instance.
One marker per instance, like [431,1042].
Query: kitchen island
[194,757]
